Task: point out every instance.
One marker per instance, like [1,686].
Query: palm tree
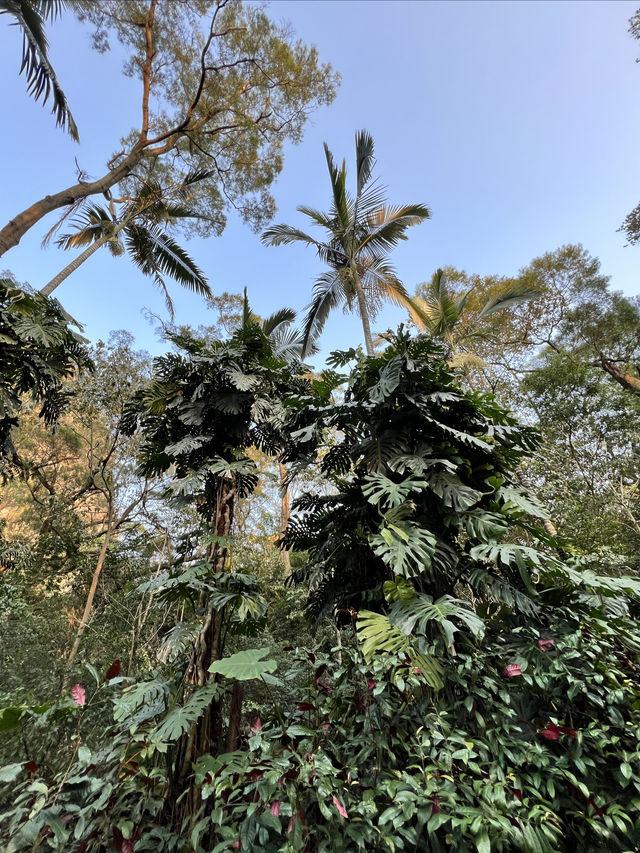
[361,230]
[142,224]
[30,16]
[442,313]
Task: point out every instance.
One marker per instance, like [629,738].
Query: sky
[516,122]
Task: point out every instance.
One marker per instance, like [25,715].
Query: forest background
[118,611]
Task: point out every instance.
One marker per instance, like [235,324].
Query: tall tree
[222,88]
[30,16]
[361,229]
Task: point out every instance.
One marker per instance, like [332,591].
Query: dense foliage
[484,691]
[38,349]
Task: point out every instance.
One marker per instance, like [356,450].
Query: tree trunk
[16,228]
[205,736]
[89,603]
[285,512]
[627,380]
[48,289]
[364,313]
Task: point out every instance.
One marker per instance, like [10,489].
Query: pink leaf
[551,732]
[545,645]
[371,683]
[512,669]
[78,694]
[275,807]
[256,726]
[340,807]
[567,730]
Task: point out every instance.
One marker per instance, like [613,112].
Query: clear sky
[516,122]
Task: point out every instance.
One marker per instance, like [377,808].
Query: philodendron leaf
[244,666]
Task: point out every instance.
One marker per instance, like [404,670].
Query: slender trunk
[364,313]
[285,512]
[16,228]
[89,603]
[48,289]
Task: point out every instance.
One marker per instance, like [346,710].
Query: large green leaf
[406,548]
[245,666]
[419,611]
[378,635]
[379,489]
[180,717]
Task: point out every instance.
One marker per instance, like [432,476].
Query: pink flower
[340,807]
[417,670]
[78,694]
[512,669]
[545,645]
[275,808]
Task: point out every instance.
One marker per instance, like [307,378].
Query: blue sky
[516,122]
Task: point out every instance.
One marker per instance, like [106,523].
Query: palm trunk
[16,228]
[364,314]
[48,289]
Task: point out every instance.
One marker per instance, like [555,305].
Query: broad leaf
[245,666]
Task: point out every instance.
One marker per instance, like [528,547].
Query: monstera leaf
[244,666]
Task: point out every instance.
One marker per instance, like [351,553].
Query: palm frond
[387,225]
[318,216]
[364,160]
[508,299]
[338,179]
[328,292]
[93,224]
[284,235]
[282,317]
[40,76]
[155,253]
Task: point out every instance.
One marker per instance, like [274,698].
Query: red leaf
[512,669]
[370,683]
[340,807]
[256,726]
[551,732]
[31,767]
[113,671]
[305,706]
[324,686]
[78,694]
[545,645]
[275,808]
[567,730]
